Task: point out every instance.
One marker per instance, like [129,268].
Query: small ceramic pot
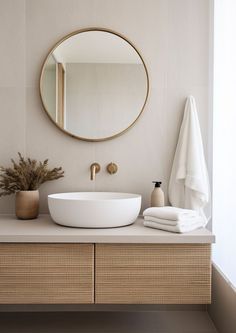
[27,204]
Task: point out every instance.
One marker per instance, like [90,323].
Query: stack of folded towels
[173,219]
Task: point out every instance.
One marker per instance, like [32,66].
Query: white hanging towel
[189,182]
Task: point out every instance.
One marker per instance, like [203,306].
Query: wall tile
[12,41]
[173,40]
[12,133]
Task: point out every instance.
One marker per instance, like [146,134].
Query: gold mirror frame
[41,78]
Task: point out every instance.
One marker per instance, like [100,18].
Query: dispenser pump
[157,184]
[157,197]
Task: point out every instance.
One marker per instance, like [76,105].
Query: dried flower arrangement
[26,175]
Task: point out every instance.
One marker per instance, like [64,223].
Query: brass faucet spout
[94,168]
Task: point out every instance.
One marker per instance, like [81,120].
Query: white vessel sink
[94,209]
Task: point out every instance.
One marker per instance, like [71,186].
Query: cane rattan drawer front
[153,273]
[46,273]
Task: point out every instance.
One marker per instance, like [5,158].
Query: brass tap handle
[112,168]
[94,168]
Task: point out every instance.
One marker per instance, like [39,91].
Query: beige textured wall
[172,36]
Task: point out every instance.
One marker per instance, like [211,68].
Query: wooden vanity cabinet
[153,273]
[35,273]
[46,273]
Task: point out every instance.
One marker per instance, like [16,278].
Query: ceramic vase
[27,204]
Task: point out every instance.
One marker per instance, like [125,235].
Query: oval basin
[94,209]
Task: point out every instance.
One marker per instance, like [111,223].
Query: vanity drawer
[153,273]
[46,273]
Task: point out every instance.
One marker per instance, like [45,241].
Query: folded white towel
[181,223]
[170,213]
[171,228]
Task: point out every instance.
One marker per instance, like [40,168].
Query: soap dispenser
[157,197]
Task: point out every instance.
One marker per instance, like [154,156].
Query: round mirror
[94,84]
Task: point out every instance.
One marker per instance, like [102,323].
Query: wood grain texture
[153,273]
[46,273]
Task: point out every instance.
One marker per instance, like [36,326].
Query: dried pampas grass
[26,175]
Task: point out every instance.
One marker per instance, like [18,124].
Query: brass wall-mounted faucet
[94,168]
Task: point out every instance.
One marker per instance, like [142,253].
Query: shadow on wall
[223,307]
[108,322]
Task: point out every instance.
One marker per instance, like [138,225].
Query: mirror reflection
[94,85]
